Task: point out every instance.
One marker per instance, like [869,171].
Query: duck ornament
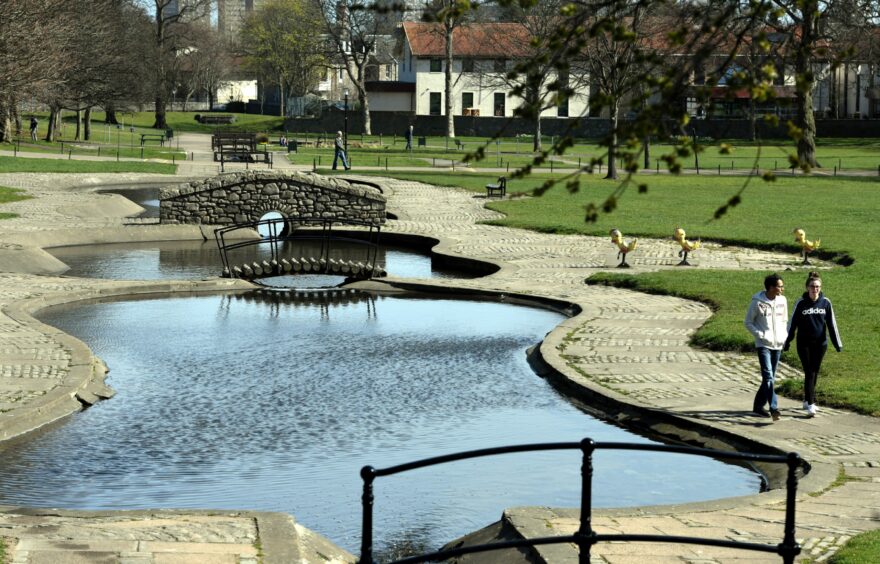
[622,246]
[800,237]
[686,246]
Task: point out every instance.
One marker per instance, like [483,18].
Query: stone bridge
[247,196]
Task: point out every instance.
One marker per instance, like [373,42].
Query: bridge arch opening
[265,229]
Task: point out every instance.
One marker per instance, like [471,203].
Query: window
[467,101]
[435,102]
[499,104]
[467,65]
[499,65]
[436,65]
[562,109]
[389,72]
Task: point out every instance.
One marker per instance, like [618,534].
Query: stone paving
[625,351]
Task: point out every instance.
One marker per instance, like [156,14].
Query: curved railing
[293,229]
[585,537]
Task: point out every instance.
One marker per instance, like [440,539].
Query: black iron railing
[585,537]
[298,229]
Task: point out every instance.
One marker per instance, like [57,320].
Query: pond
[272,401]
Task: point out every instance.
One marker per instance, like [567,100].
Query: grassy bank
[21,164]
[841,212]
[10,195]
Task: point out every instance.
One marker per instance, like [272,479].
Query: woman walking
[813,320]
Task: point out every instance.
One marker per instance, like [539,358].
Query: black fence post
[368,474]
[585,534]
[789,547]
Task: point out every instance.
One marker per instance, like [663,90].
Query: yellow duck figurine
[623,246]
[686,246]
[800,236]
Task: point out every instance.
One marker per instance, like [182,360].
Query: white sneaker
[812,410]
[815,408]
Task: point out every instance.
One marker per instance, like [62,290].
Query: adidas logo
[814,311]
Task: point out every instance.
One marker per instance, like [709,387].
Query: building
[483,53]
[232,13]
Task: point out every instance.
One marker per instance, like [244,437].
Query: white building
[482,54]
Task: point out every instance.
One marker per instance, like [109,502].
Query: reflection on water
[197,260]
[275,404]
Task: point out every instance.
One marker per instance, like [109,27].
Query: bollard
[731,165]
[172,158]
[142,152]
[379,161]
[835,171]
[99,150]
[386,163]
[70,154]
[192,155]
[314,165]
[433,162]
[658,167]
[117,155]
[551,166]
[508,166]
[62,147]
[719,170]
[579,162]
[775,165]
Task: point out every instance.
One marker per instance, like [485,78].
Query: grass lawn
[843,154]
[859,549]
[10,195]
[841,212]
[13,164]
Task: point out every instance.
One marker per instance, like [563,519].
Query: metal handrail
[585,537]
[300,228]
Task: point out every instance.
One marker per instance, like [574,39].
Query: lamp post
[345,133]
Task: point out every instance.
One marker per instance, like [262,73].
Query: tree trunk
[365,109]
[110,115]
[160,122]
[51,124]
[6,118]
[87,124]
[612,145]
[536,145]
[806,121]
[281,97]
[78,134]
[450,117]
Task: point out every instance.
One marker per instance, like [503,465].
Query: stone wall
[247,196]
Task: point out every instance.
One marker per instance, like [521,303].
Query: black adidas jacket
[809,320]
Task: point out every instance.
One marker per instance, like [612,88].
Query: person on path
[409,138]
[33,129]
[766,319]
[812,321]
[339,153]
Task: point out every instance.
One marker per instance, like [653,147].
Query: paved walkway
[629,348]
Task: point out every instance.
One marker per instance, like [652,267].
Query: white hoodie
[767,320]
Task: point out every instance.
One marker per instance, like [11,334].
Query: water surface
[275,404]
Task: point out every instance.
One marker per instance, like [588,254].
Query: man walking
[339,144]
[767,321]
[33,129]
[409,138]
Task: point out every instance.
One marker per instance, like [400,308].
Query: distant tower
[231,14]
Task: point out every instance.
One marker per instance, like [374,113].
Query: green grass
[860,549]
[841,212]
[10,195]
[13,164]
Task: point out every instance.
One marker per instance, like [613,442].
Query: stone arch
[245,196]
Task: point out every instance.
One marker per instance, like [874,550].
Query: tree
[169,39]
[34,35]
[353,33]
[450,15]
[547,75]
[206,62]
[279,39]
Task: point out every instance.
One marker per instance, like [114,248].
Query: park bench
[458,144]
[160,137]
[217,119]
[238,147]
[499,189]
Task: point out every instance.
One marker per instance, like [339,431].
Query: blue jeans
[769,360]
[340,155]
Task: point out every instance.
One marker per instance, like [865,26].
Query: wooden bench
[160,137]
[499,189]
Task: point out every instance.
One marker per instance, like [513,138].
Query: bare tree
[33,41]
[169,38]
[353,33]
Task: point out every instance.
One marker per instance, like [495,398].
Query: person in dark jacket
[339,151]
[812,320]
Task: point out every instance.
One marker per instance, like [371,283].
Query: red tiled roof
[489,40]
